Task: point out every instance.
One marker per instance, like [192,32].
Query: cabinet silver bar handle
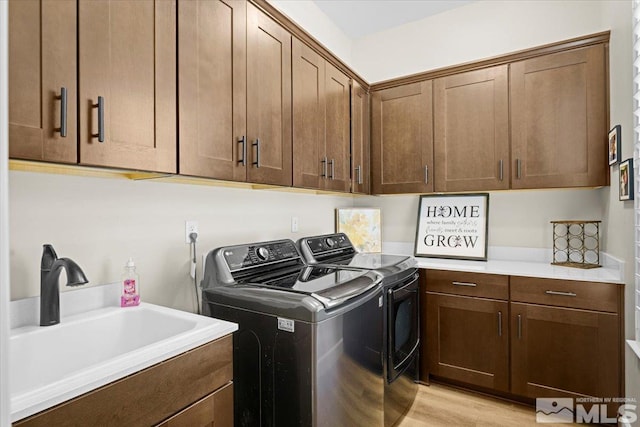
[501,170]
[564,294]
[499,323]
[473,285]
[332,163]
[426,174]
[359,175]
[324,167]
[100,105]
[243,140]
[63,112]
[519,326]
[518,168]
[257,145]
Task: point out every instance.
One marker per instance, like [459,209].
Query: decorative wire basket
[576,243]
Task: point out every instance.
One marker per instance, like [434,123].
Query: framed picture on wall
[614,145]
[626,180]
[453,226]
[362,226]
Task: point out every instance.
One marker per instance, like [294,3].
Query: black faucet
[50,268]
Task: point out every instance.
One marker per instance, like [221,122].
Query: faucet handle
[48,257]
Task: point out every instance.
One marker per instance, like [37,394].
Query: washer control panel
[252,255]
[333,243]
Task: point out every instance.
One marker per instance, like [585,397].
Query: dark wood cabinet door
[471,130]
[402,139]
[212,88]
[268,100]
[559,351]
[338,134]
[559,120]
[128,57]
[309,163]
[360,171]
[42,48]
[214,410]
[468,340]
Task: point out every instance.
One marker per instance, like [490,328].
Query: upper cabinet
[269,152]
[127,68]
[42,76]
[559,118]
[321,134]
[402,139]
[471,130]
[360,171]
[212,88]
[532,119]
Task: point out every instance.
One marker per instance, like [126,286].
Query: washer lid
[331,286]
[374,261]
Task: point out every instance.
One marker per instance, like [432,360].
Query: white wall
[310,17]
[100,222]
[516,218]
[4,223]
[479,30]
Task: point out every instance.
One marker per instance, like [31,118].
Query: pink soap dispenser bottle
[130,286]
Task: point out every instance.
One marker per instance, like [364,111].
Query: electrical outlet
[294,224]
[190,227]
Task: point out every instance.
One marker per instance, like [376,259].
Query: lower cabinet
[559,351]
[524,337]
[467,328]
[472,343]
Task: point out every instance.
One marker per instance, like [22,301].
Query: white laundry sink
[49,365]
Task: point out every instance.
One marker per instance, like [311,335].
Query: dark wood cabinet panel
[43,61]
[215,410]
[360,171]
[212,88]
[564,352]
[268,100]
[309,104]
[338,133]
[127,56]
[483,285]
[471,130]
[559,119]
[321,120]
[468,340]
[596,296]
[402,139]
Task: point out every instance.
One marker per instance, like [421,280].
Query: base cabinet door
[468,340]
[559,123]
[558,351]
[42,80]
[214,410]
[402,139]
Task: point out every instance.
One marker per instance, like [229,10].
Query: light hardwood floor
[438,405]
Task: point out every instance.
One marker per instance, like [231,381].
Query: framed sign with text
[453,226]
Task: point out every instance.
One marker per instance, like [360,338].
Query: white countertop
[96,343]
[514,261]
